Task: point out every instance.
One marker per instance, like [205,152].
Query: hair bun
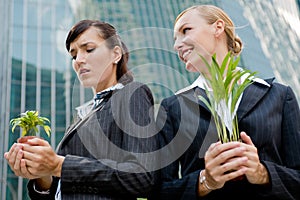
[237,46]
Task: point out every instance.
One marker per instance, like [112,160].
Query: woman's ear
[117,54]
[219,27]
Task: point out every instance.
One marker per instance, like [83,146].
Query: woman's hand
[41,160]
[256,172]
[224,162]
[16,162]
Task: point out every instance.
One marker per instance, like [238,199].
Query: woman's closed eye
[185,30]
[90,50]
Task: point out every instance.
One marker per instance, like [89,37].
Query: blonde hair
[211,14]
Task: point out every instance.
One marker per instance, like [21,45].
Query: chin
[86,84]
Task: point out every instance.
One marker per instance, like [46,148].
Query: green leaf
[224,81]
[29,121]
[47,130]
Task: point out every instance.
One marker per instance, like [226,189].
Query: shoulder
[286,91]
[136,86]
[281,88]
[184,90]
[134,91]
[178,98]
[277,90]
[269,84]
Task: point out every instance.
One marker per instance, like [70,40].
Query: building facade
[36,72]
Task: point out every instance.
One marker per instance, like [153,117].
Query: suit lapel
[193,95]
[247,103]
[249,100]
[211,135]
[77,124]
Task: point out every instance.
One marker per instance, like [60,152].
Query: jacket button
[96,190]
[83,189]
[73,188]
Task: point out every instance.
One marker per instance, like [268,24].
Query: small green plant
[224,89]
[29,121]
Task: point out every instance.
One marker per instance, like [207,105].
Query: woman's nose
[80,58]
[177,45]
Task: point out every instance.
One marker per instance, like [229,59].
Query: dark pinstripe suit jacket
[270,115]
[102,152]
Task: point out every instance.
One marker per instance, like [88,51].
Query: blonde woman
[265,165]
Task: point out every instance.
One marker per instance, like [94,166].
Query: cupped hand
[16,162]
[41,159]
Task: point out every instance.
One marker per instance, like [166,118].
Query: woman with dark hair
[108,33]
[101,155]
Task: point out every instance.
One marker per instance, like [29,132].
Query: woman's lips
[83,71]
[185,54]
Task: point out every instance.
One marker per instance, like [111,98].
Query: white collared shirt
[85,108]
[201,83]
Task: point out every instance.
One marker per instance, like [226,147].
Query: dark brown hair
[112,39]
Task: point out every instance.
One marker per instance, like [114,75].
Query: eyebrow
[82,45]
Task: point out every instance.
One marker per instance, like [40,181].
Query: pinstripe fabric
[270,116]
[100,160]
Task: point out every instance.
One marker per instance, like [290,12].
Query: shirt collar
[114,87]
[201,82]
[85,108]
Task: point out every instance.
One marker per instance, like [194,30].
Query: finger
[31,164]
[6,155]
[18,160]
[246,139]
[25,171]
[30,169]
[234,163]
[13,154]
[11,150]
[213,145]
[36,146]
[34,149]
[32,158]
[234,174]
[230,156]
[253,159]
[218,149]
[235,158]
[37,142]
[208,155]
[23,167]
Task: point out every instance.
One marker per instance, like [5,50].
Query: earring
[116,62]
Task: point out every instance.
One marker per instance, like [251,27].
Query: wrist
[202,180]
[42,184]
[264,175]
[203,187]
[57,171]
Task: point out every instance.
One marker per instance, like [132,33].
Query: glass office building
[36,72]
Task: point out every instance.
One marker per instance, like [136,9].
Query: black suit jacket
[269,115]
[104,151]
